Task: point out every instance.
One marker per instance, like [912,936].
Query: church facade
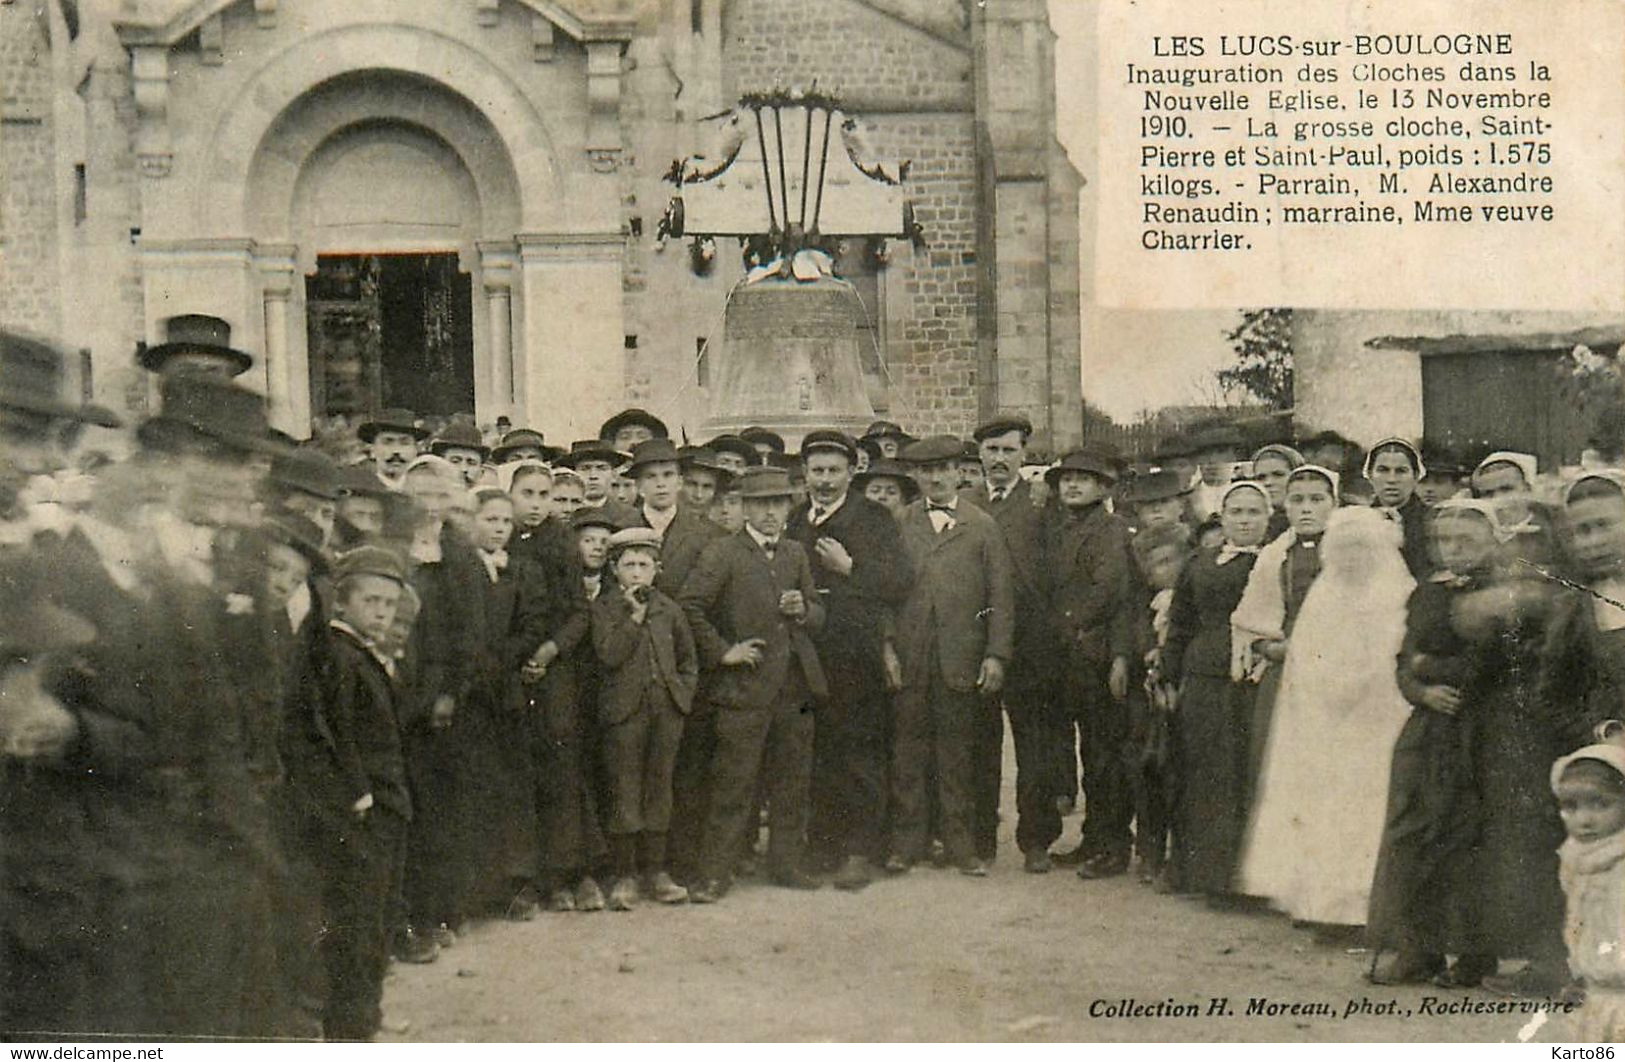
[453,204]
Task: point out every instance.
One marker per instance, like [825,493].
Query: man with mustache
[861,571]
[392,440]
[1029,696]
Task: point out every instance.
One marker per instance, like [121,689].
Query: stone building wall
[29,287]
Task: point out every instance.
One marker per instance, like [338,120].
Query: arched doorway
[390,212]
[398,204]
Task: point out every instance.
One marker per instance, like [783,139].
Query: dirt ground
[931,955]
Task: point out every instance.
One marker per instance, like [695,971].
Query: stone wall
[29,288]
[871,59]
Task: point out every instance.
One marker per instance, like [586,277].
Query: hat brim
[152,358]
[635,420]
[60,410]
[369,431]
[440,447]
[1053,475]
[161,433]
[610,456]
[501,454]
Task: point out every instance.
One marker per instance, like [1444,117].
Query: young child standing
[650,670]
[1161,554]
[1590,788]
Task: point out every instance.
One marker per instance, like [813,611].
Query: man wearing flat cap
[1092,606]
[954,638]
[862,572]
[1029,695]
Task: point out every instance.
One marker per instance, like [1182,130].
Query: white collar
[827,510]
[762,540]
[366,643]
[658,520]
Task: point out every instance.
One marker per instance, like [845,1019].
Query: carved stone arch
[466,77]
[374,98]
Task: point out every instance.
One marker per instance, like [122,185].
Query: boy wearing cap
[392,441]
[306,481]
[751,604]
[954,636]
[648,670]
[684,532]
[861,572]
[1094,606]
[364,794]
[1029,695]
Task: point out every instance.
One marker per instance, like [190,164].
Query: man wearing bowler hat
[595,462]
[954,638]
[1092,607]
[1218,448]
[630,427]
[461,444]
[1029,695]
[392,438]
[195,342]
[861,572]
[753,607]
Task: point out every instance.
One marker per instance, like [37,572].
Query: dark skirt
[1431,821]
[1213,725]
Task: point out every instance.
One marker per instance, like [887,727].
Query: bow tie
[770,546]
[998,494]
[933,507]
[1228,553]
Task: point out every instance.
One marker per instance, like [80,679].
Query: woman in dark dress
[1432,804]
[1213,712]
[1394,467]
[1469,863]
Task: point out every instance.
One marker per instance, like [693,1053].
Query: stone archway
[518,136]
[383,162]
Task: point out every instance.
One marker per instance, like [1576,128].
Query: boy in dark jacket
[649,672]
[751,602]
[364,793]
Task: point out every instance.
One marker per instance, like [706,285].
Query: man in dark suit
[954,637]
[751,603]
[1029,695]
[657,469]
[1093,605]
[861,571]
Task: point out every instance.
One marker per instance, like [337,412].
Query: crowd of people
[273,714]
